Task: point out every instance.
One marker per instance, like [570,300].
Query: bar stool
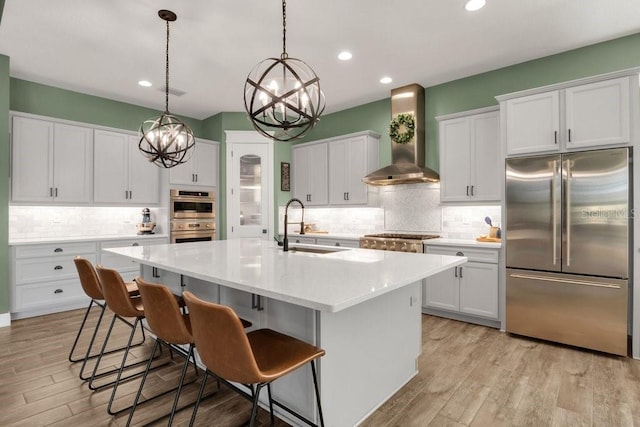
[255,359]
[170,326]
[91,286]
[125,306]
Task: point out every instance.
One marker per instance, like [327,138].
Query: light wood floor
[469,375]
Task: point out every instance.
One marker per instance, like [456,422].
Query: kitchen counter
[35,241]
[327,282]
[462,242]
[362,306]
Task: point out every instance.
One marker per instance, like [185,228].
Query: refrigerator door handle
[568,281]
[567,212]
[554,208]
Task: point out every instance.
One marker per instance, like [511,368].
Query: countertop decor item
[282,96]
[408,123]
[166,140]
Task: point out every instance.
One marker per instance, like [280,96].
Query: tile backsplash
[413,208]
[34,222]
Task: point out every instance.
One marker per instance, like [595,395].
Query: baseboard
[5,319]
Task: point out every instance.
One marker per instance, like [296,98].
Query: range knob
[364,244]
[404,247]
[392,246]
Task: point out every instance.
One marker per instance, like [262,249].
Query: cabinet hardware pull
[57,250]
[467,190]
[58,291]
[130,195]
[472,190]
[347,195]
[569,135]
[135,244]
[256,302]
[57,267]
[56,191]
[555,136]
[154,272]
[461,272]
[337,243]
[126,194]
[50,191]
[455,272]
[196,177]
[459,253]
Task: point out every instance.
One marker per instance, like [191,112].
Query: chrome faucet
[285,241]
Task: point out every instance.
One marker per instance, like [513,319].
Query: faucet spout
[285,241]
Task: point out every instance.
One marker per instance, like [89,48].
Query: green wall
[4,183]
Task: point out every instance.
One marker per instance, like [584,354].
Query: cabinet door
[318,169]
[144,176]
[110,169]
[246,305]
[479,289]
[183,174]
[339,170]
[206,164]
[300,174]
[455,157]
[72,163]
[486,166]
[533,123]
[357,168]
[32,161]
[598,113]
[442,291]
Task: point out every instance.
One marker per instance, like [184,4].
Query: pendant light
[282,96]
[166,140]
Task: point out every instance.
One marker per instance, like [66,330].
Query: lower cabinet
[470,289]
[346,243]
[44,278]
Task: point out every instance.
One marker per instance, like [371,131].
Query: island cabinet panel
[469,289]
[121,173]
[201,170]
[51,162]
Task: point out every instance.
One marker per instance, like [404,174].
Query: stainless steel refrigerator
[568,231]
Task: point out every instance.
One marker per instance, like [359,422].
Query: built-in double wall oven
[193,216]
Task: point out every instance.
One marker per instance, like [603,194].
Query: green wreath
[405,120]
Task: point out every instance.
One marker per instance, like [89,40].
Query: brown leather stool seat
[91,286]
[171,326]
[255,359]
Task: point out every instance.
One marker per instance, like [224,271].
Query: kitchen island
[362,306]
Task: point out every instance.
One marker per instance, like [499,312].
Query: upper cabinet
[350,160]
[570,117]
[310,170]
[51,162]
[201,169]
[330,171]
[470,156]
[121,173]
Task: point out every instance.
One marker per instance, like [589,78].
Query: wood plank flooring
[469,376]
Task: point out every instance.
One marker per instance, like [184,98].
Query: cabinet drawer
[338,242]
[46,294]
[54,249]
[473,254]
[305,240]
[31,270]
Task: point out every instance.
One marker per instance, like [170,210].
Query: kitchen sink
[313,250]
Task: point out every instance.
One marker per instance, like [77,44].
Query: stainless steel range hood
[408,159]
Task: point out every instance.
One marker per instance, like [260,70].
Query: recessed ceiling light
[345,56]
[386,80]
[473,5]
[144,83]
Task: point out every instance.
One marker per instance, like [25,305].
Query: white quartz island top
[328,282]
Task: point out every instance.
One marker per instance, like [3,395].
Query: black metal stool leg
[270,403]
[122,366]
[254,410]
[84,321]
[315,386]
[184,373]
[195,408]
[142,381]
[104,346]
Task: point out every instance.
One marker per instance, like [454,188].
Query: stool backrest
[88,278]
[116,294]
[163,313]
[221,341]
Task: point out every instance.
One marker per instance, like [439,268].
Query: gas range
[395,241]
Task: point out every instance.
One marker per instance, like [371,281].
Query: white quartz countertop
[327,282]
[462,242]
[40,240]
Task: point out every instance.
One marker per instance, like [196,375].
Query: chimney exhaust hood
[407,159]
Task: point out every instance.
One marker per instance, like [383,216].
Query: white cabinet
[310,183]
[470,289]
[44,278]
[121,173]
[51,162]
[470,157]
[346,243]
[575,116]
[350,160]
[127,268]
[201,169]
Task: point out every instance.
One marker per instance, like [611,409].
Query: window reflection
[250,190]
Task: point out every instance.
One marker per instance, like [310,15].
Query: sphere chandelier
[166,140]
[282,96]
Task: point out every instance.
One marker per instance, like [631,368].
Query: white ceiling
[104,47]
